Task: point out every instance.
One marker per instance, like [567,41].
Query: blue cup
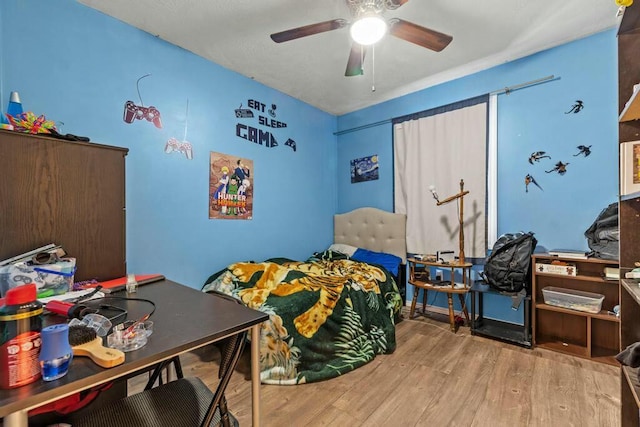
[56,352]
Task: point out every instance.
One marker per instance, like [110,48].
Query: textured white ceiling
[235,34]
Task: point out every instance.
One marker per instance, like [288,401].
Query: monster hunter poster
[230,187]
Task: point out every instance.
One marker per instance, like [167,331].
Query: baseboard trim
[432,309]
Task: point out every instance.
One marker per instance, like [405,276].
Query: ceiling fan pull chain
[373,68]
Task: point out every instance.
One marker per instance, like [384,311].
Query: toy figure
[28,122]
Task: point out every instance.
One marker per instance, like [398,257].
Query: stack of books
[568,253]
[611,273]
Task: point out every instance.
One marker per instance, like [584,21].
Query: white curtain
[440,150]
[492,172]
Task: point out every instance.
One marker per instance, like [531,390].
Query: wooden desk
[421,279]
[185,319]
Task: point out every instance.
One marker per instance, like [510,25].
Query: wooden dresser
[68,193]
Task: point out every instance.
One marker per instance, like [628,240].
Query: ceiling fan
[368,27]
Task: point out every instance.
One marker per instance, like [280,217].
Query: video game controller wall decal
[184,146]
[134,112]
[175,146]
[243,113]
[272,111]
[291,143]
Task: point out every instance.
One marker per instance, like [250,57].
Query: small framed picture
[629,168]
[364,169]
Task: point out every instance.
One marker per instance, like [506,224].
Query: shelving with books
[580,333]
[629,205]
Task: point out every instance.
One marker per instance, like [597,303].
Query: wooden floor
[435,378]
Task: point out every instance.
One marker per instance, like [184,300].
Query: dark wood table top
[184,319]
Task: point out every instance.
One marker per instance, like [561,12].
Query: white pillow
[342,248]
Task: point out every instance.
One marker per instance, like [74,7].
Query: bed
[333,312]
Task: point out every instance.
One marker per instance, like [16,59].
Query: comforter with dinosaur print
[327,316]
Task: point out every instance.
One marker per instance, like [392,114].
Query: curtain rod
[506,90]
[510,89]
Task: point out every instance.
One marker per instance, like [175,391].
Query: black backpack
[507,269]
[603,236]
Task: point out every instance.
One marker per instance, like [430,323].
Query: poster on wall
[230,187]
[629,168]
[364,169]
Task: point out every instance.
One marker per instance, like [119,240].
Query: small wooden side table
[420,279]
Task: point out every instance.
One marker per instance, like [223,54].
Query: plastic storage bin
[572,299]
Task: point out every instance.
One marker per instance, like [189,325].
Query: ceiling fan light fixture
[368,29]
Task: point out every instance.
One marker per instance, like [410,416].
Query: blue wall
[531,119]
[78,66]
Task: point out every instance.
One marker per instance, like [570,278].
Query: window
[439,147]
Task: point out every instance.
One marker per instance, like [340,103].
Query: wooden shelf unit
[629,208]
[593,336]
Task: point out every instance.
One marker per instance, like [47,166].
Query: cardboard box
[563,270]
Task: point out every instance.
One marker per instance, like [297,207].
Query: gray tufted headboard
[372,229]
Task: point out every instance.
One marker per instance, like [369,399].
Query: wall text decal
[262,132]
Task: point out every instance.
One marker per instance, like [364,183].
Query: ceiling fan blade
[308,30]
[354,64]
[421,36]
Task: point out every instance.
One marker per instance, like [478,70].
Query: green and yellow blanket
[327,316]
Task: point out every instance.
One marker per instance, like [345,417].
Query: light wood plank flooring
[434,378]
